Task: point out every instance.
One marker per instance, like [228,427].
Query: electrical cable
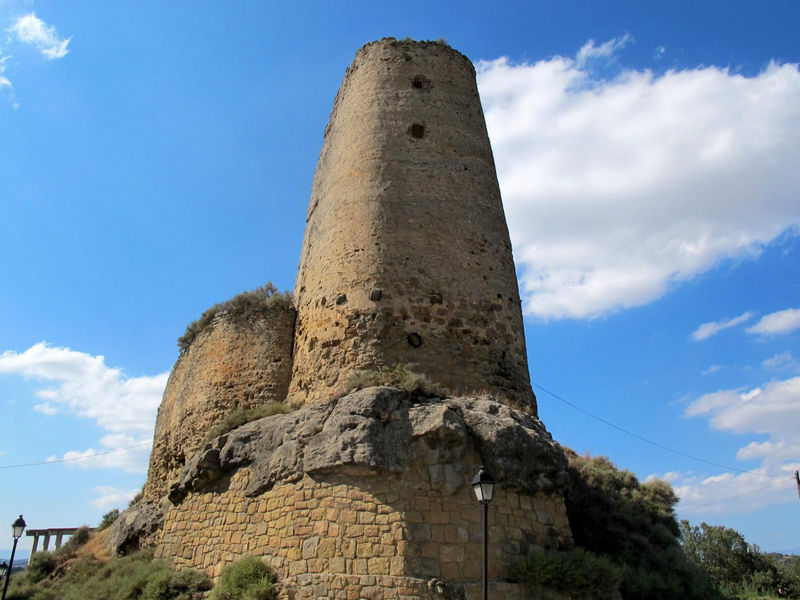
[63,460]
[649,441]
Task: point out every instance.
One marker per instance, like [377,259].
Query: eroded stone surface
[383,430]
[136,528]
[406,255]
[234,363]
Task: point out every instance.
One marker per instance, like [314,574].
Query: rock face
[235,363]
[136,528]
[376,483]
[406,256]
[379,431]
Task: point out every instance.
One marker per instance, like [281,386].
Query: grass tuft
[400,376]
[239,307]
[240,416]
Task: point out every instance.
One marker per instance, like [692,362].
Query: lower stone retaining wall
[359,535]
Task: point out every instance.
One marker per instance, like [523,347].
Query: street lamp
[483,486]
[17,527]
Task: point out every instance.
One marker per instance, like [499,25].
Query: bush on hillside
[579,573]
[634,525]
[246,579]
[134,577]
[239,307]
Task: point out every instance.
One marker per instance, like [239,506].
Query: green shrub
[75,541]
[134,577]
[40,565]
[400,376]
[579,573]
[240,416]
[634,525]
[239,307]
[108,519]
[169,585]
[246,579]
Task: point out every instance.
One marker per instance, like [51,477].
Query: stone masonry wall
[406,256]
[375,537]
[234,363]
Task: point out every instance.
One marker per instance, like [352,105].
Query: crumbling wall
[242,361]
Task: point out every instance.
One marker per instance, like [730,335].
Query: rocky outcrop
[383,430]
[135,528]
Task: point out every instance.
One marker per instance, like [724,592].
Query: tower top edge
[407,44]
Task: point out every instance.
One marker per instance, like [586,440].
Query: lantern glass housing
[18,527]
[483,486]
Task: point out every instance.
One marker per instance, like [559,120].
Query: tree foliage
[737,568]
[633,524]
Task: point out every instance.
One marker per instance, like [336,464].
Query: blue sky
[156,158]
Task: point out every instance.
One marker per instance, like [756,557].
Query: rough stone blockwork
[371,491]
[406,256]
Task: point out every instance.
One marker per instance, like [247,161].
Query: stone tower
[406,256]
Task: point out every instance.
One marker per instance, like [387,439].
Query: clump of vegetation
[241,306]
[134,577]
[737,568]
[246,579]
[240,416]
[75,541]
[579,573]
[108,519]
[632,524]
[400,376]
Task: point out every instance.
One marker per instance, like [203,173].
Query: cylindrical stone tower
[406,256]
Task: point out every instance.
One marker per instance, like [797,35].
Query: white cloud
[30,29]
[85,386]
[712,369]
[776,323]
[781,361]
[617,189]
[111,497]
[591,51]
[4,81]
[45,408]
[732,493]
[706,330]
[771,410]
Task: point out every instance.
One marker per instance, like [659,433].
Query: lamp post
[483,486]
[17,527]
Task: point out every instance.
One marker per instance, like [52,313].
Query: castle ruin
[406,260]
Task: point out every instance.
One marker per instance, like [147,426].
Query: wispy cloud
[85,386]
[781,361]
[617,189]
[30,29]
[777,323]
[110,497]
[706,330]
[4,81]
[591,51]
[771,410]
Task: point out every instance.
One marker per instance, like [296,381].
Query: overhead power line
[652,442]
[84,457]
